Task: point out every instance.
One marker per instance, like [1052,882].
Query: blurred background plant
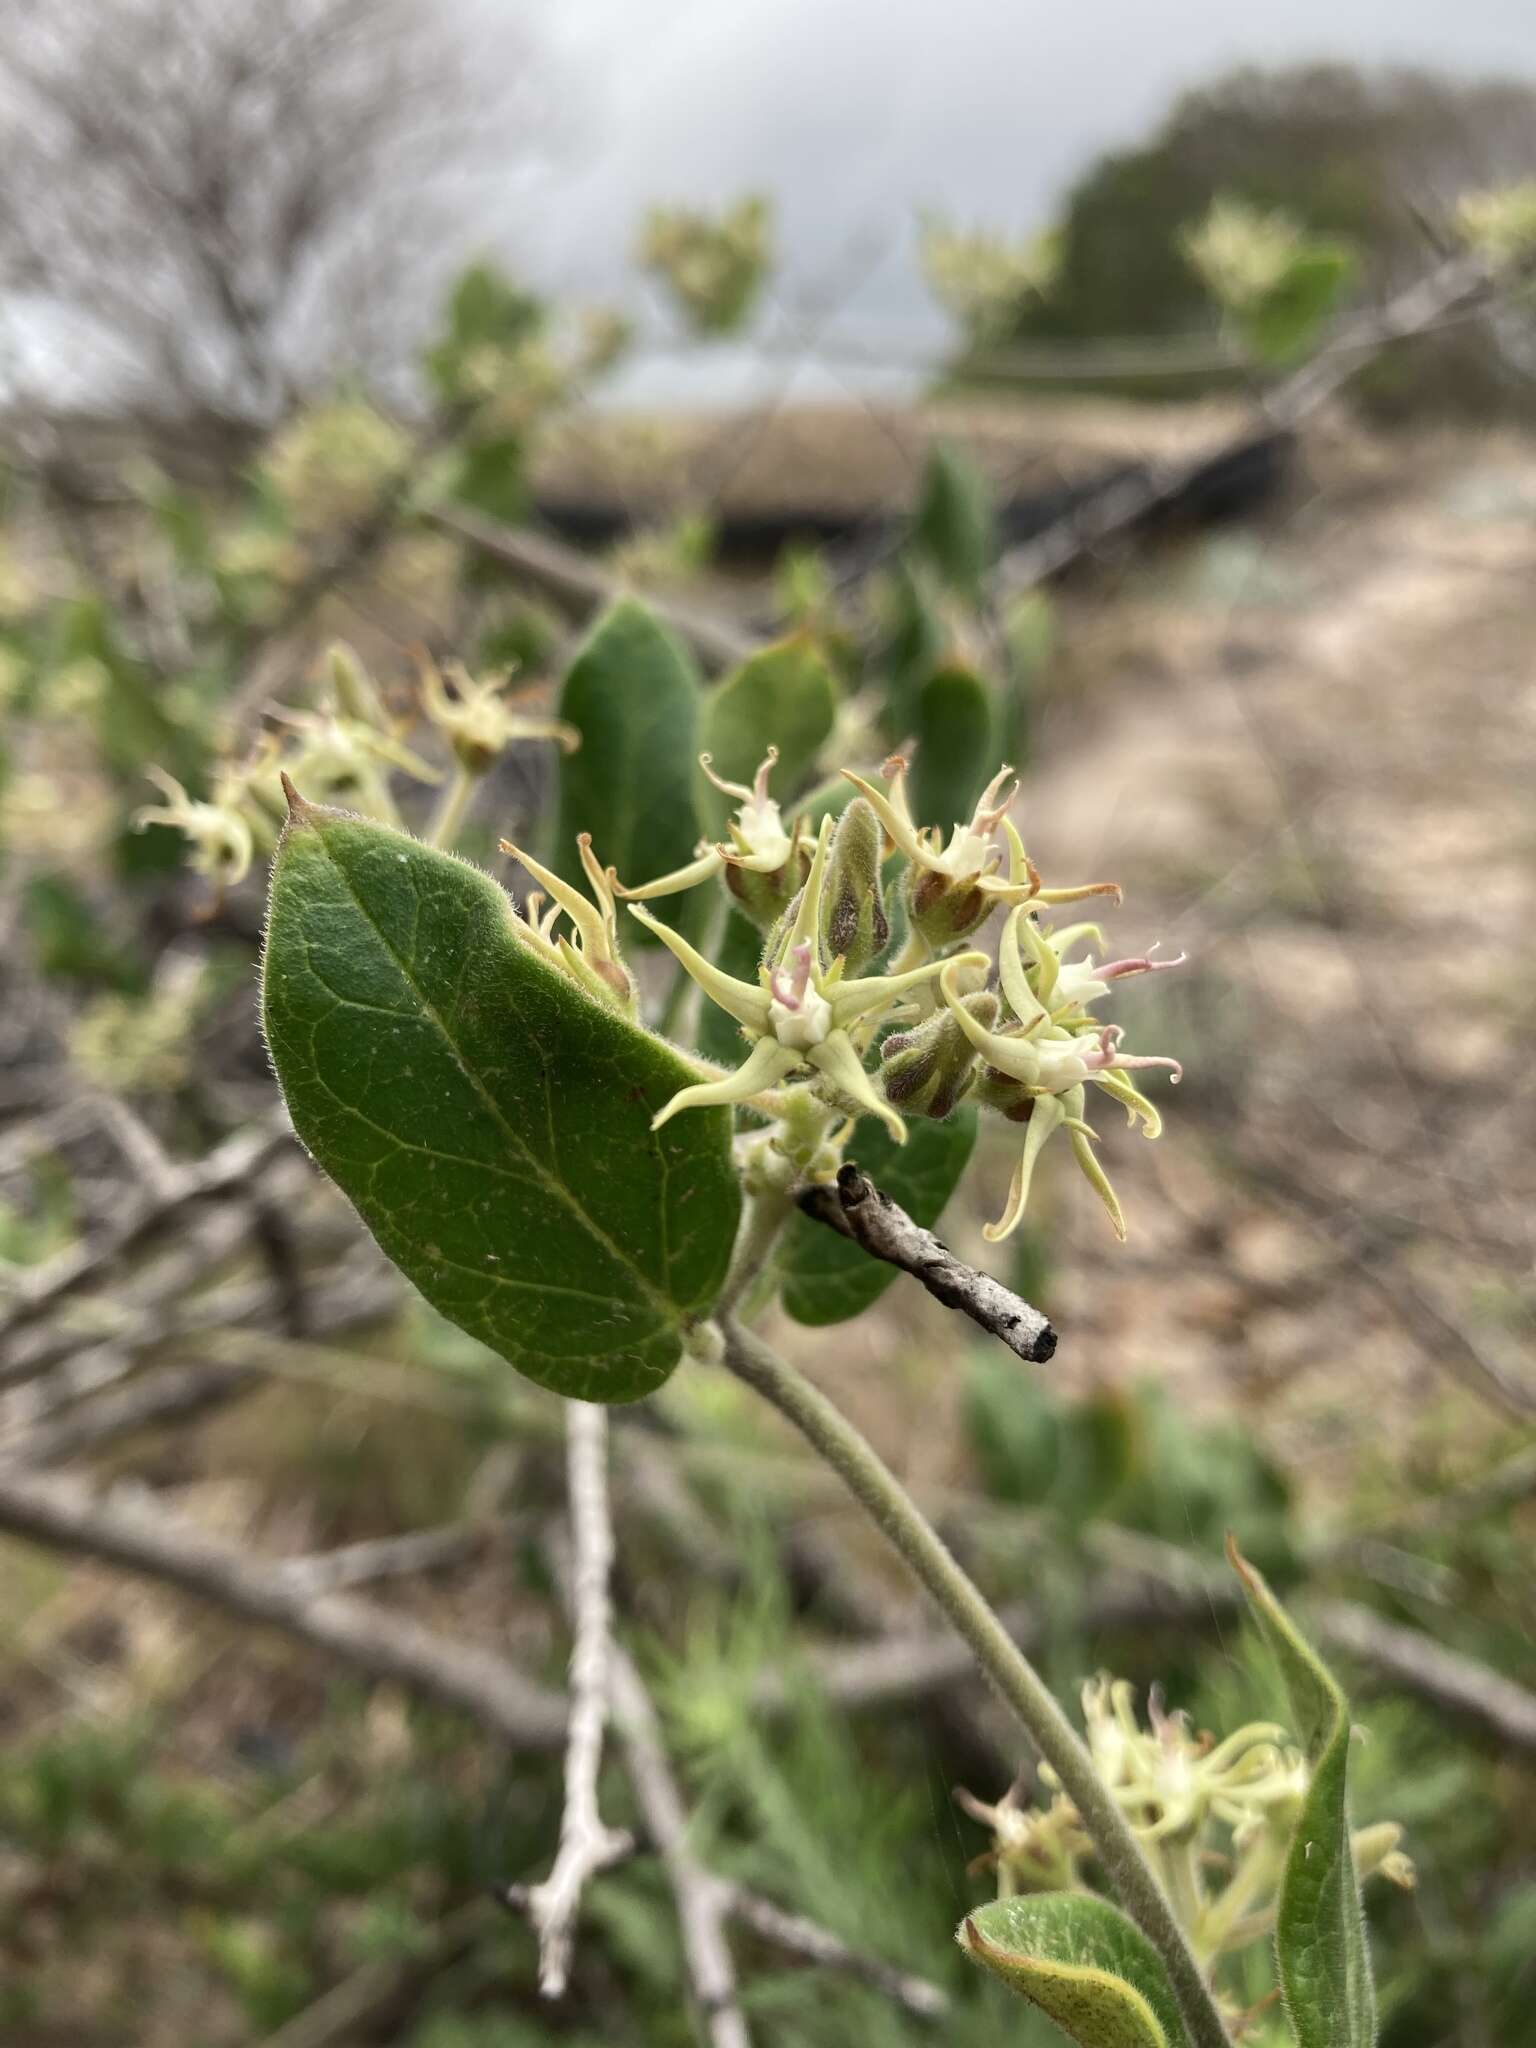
[312,452]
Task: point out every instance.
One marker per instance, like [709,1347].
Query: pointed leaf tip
[300,809]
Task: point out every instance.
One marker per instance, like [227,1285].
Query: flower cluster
[923,1032]
[329,465]
[342,752]
[984,281]
[1215,1817]
[1500,224]
[1241,252]
[714,268]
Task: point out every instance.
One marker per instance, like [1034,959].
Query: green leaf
[956,732]
[827,1278]
[913,647]
[1285,322]
[490,1121]
[955,529]
[782,697]
[633,695]
[491,477]
[1325,1968]
[1082,1963]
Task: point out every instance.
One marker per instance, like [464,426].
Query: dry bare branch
[587,1846]
[143,1537]
[701,1900]
[577,584]
[1449,1680]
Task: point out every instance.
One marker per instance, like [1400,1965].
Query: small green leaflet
[1325,1968]
[955,727]
[633,695]
[1082,1963]
[955,527]
[489,1120]
[827,1279]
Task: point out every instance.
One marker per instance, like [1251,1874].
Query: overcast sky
[852,113]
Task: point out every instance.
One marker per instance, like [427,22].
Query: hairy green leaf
[1325,1968]
[1082,1963]
[827,1278]
[782,697]
[489,1120]
[633,695]
[956,731]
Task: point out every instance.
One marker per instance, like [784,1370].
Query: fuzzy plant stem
[877,1489]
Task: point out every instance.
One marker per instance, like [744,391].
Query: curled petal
[595,929]
[1030,1010]
[1044,1118]
[764,1067]
[1135,1104]
[1097,1178]
[891,808]
[709,862]
[759,788]
[1014,1056]
[854,999]
[743,1000]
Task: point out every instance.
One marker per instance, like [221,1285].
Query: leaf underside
[489,1120]
[1083,1963]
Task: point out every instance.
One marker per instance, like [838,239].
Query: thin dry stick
[146,1538]
[1021,1688]
[587,1846]
[1460,284]
[237,1161]
[1458,1685]
[577,583]
[859,1210]
[700,1897]
[808,1939]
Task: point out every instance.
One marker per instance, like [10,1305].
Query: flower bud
[928,1070]
[767,898]
[944,908]
[854,925]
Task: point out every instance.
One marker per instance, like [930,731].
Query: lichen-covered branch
[857,1209]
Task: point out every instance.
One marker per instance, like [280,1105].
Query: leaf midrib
[552,1183]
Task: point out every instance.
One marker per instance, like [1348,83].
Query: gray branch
[577,584]
[701,1898]
[587,1845]
[144,1537]
[813,1943]
[1457,1684]
[857,1209]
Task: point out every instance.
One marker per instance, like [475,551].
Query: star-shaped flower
[222,846]
[798,1013]
[478,721]
[1047,1055]
[973,852]
[759,843]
